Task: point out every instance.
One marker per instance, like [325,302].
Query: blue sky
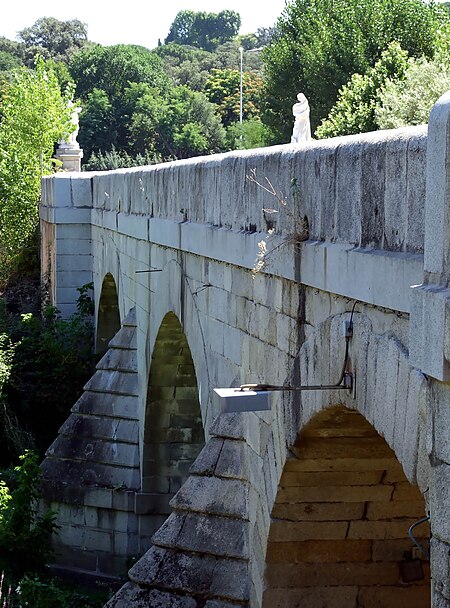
[140,23]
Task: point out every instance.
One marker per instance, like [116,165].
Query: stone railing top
[367,190]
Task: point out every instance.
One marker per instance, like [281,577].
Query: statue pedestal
[70,156]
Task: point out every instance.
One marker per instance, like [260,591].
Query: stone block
[390,550]
[232,344]
[115,382]
[395,209]
[285,576]
[233,461]
[392,597]
[313,597]
[72,278]
[396,509]
[125,544]
[132,595]
[332,478]
[335,494]
[440,567]
[380,529]
[220,536]
[119,359]
[213,495]
[319,551]
[204,575]
[205,463]
[96,451]
[62,190]
[98,497]
[319,511]
[97,540]
[103,404]
[81,186]
[285,531]
[133,225]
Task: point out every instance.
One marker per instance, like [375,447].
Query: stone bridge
[310,503]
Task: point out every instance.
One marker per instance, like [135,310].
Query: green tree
[319,44]
[111,68]
[181,29]
[204,30]
[53,38]
[98,123]
[254,134]
[187,65]
[408,101]
[182,125]
[102,76]
[12,52]
[223,89]
[34,116]
[355,108]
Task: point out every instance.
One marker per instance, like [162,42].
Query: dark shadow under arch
[338,536]
[173,435]
[108,316]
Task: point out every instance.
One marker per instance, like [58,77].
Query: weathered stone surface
[119,359]
[105,404]
[205,534]
[131,595]
[115,382]
[199,574]
[440,567]
[213,495]
[89,474]
[95,450]
[101,428]
[206,461]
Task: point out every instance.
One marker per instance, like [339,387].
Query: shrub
[409,101]
[49,360]
[354,110]
[24,535]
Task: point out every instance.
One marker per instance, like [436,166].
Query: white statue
[71,139]
[302,128]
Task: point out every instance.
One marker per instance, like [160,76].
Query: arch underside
[108,317]
[173,432]
[339,531]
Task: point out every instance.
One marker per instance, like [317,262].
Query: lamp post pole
[241,51]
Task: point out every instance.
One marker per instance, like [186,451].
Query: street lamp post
[241,51]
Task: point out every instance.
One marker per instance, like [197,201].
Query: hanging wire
[414,540]
[345,381]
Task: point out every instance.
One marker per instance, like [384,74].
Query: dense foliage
[54,39]
[34,114]
[223,89]
[408,100]
[25,546]
[204,30]
[354,110]
[24,534]
[321,43]
[37,354]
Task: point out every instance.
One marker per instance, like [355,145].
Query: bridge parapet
[366,190]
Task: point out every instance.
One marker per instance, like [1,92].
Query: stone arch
[173,429]
[389,393]
[338,534]
[108,316]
